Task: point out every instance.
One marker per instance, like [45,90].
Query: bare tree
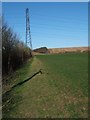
[14,52]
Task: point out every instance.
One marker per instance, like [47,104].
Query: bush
[14,52]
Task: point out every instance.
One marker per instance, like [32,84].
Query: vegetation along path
[61,91]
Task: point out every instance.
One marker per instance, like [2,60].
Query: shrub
[14,52]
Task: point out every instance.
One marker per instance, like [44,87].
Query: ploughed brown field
[60,50]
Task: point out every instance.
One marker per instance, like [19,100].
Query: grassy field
[61,91]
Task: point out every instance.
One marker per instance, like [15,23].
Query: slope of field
[61,91]
[45,50]
[64,50]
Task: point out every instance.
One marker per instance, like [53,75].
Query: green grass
[60,92]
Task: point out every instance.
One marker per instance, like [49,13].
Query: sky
[52,24]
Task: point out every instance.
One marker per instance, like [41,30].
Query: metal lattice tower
[28,33]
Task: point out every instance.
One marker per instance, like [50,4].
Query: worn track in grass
[60,92]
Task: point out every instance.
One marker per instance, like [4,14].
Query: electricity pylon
[28,33]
